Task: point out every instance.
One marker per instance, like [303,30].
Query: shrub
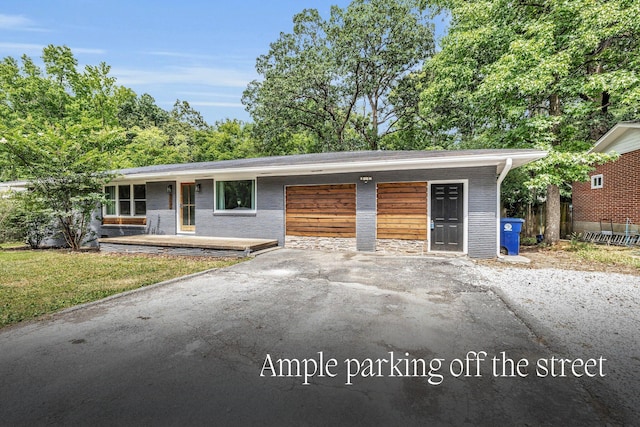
[528,241]
[24,219]
[577,244]
[9,230]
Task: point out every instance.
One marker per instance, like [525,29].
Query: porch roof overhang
[330,163]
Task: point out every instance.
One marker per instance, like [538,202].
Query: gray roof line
[321,158]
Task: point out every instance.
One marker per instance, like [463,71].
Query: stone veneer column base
[320,243]
[384,246]
[402,247]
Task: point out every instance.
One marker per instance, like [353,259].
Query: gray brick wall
[269,221]
[121,230]
[366,216]
[482,213]
[161,219]
[482,199]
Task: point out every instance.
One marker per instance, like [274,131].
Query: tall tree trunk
[552,223]
[552,228]
[373,142]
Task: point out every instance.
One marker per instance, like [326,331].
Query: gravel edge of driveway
[566,311]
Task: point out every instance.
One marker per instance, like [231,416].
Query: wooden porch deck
[186,245]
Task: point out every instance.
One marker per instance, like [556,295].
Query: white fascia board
[611,136]
[341,167]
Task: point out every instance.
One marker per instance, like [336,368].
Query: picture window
[236,195]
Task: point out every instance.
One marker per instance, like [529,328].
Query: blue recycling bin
[510,234]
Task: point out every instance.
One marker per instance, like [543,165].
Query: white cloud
[216,104]
[208,94]
[205,76]
[18,22]
[36,49]
[182,55]
[20,48]
[225,59]
[88,51]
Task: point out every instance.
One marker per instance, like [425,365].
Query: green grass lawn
[12,245]
[33,283]
[610,255]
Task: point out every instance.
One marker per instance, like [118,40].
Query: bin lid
[512,220]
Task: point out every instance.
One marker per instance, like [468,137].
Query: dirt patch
[608,259]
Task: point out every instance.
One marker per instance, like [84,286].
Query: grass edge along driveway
[35,283]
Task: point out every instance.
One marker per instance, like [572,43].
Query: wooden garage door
[402,211]
[321,210]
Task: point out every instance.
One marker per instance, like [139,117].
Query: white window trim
[234,211]
[116,201]
[177,194]
[595,179]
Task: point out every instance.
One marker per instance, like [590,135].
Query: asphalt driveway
[403,341]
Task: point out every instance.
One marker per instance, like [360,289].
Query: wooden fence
[535,218]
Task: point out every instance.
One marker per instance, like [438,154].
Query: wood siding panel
[124,221]
[321,210]
[402,211]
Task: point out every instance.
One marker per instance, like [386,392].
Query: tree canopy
[62,127]
[554,75]
[551,74]
[335,78]
[57,126]
[107,122]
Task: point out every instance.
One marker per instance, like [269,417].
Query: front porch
[185,245]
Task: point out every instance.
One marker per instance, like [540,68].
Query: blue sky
[203,52]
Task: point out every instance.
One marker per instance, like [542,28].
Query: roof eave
[612,135]
[497,160]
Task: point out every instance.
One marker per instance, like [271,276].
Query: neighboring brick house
[611,196]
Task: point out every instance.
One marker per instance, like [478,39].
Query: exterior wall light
[169,189]
[198,188]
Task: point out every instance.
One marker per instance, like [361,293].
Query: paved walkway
[192,352]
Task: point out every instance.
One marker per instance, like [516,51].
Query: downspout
[507,167]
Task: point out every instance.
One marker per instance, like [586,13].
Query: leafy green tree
[58,125]
[64,174]
[151,146]
[552,74]
[156,136]
[334,78]
[141,112]
[183,113]
[302,142]
[229,139]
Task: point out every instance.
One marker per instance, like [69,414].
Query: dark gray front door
[447,214]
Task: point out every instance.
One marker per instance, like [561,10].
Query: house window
[596,181]
[110,205]
[236,195]
[140,199]
[125,200]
